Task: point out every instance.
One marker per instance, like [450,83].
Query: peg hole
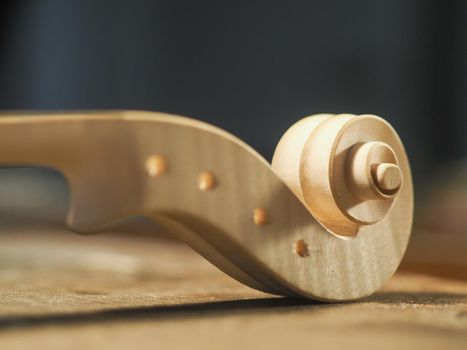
[156,165]
[260,216]
[301,248]
[206,181]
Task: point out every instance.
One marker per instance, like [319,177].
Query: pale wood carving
[329,220]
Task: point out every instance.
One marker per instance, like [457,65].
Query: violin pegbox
[330,219]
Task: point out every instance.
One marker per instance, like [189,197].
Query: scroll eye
[348,172]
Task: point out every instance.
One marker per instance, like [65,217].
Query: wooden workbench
[113,291]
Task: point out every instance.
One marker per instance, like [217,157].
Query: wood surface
[59,290]
[341,238]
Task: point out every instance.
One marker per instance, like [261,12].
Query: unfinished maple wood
[122,164]
[347,172]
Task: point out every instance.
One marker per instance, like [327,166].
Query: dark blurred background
[251,67]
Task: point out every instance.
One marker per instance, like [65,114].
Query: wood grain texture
[125,164]
[61,290]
